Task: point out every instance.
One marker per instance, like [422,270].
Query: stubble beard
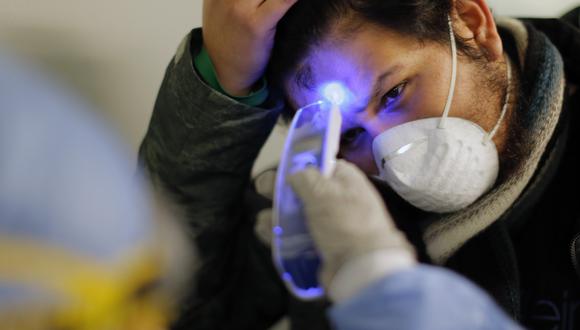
[489,103]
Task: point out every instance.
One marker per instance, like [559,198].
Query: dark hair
[307,22]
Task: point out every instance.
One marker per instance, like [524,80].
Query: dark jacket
[200,148]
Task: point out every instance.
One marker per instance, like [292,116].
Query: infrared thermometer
[313,141]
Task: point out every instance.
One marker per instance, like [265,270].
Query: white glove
[265,184]
[352,229]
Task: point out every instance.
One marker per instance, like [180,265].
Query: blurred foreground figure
[82,244]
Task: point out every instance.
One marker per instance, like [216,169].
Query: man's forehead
[325,66]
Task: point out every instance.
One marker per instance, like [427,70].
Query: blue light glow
[335,93]
[278,230]
[311,293]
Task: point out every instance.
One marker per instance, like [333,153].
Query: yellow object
[89,294]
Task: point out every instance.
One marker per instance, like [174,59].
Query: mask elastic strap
[453,75]
[443,120]
[505,104]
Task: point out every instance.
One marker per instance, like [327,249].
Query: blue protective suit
[423,297]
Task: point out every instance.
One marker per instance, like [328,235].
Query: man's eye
[392,95]
[350,136]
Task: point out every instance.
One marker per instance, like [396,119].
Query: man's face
[392,79]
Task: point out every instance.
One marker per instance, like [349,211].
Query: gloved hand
[265,184]
[352,229]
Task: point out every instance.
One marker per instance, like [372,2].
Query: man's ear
[474,21]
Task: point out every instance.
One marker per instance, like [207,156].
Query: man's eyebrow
[377,87]
[304,77]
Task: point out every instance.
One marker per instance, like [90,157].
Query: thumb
[263,226]
[272,11]
[307,183]
[348,175]
[344,171]
[265,183]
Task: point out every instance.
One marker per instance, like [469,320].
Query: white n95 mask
[439,164]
